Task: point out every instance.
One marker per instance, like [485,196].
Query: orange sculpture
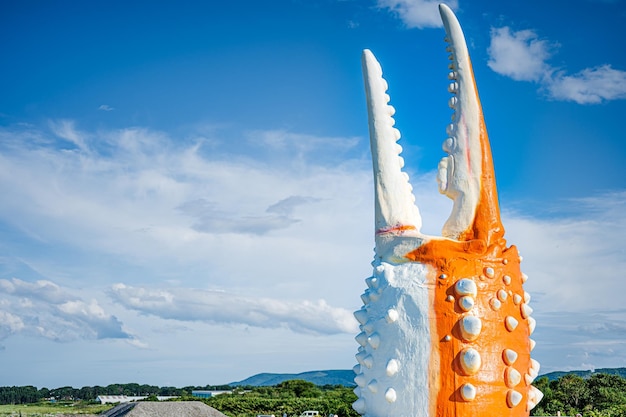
[445,323]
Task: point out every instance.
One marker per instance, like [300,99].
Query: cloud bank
[522,56]
[199,233]
[44,309]
[224,308]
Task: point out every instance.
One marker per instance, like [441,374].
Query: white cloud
[41,290]
[44,309]
[225,308]
[105,107]
[66,130]
[9,324]
[522,56]
[589,86]
[416,13]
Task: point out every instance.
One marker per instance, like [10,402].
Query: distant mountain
[332,377]
[346,377]
[586,374]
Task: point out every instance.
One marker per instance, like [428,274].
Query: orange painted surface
[455,261]
[480,247]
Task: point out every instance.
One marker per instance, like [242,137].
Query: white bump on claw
[517,299]
[510,323]
[535,366]
[468,392]
[509,356]
[365,297]
[495,304]
[361,338]
[465,286]
[368,361]
[374,340]
[524,277]
[502,295]
[534,396]
[368,326]
[470,360]
[513,398]
[489,272]
[372,282]
[526,297]
[361,315]
[512,377]
[470,327]
[390,395]
[532,344]
[466,303]
[525,311]
[392,367]
[359,406]
[392,315]
[373,386]
[360,380]
[531,325]
[506,279]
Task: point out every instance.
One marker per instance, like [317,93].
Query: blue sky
[187,192]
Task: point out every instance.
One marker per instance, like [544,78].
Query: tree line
[30,394]
[600,395]
[289,398]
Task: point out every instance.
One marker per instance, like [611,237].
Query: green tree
[572,391]
[607,391]
[300,388]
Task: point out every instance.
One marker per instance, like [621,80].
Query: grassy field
[51,409]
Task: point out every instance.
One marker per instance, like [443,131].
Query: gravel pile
[173,409]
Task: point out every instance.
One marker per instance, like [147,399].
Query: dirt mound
[173,409]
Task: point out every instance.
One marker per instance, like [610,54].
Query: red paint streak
[397,228]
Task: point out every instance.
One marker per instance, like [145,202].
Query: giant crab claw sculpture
[445,321]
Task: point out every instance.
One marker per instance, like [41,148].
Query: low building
[119,399]
[208,393]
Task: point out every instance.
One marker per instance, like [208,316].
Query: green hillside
[320,378]
[587,374]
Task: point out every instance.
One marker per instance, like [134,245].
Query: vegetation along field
[598,395]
